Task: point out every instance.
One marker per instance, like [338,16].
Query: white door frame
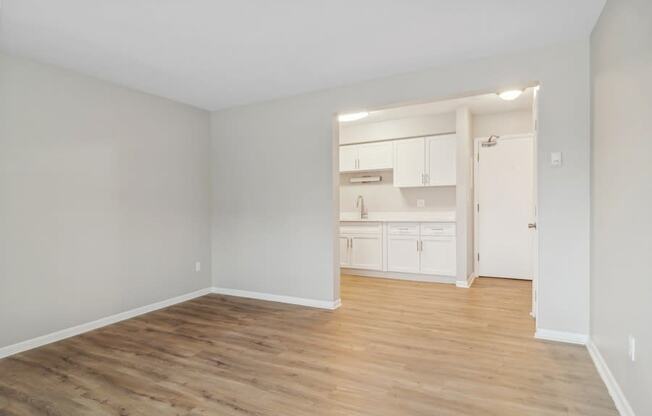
[476,232]
[535,200]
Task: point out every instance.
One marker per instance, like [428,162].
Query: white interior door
[504,192]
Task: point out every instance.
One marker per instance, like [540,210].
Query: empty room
[360,208]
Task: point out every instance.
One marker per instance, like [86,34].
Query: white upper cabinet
[429,161]
[366,157]
[375,156]
[409,162]
[441,160]
[348,158]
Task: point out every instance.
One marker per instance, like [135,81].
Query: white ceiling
[222,53]
[477,105]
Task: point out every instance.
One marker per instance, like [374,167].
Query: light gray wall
[104,202]
[621,231]
[512,122]
[274,186]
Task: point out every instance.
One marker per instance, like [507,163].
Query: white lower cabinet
[403,253]
[426,248]
[345,258]
[438,255]
[367,252]
[361,246]
[421,248]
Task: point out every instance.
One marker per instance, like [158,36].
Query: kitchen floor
[393,348]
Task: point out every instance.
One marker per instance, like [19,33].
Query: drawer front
[438,228]
[361,228]
[405,228]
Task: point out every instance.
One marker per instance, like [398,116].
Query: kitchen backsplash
[383,196]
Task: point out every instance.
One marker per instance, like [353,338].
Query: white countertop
[418,216]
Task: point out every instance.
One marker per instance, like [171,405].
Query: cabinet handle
[351,240]
[426,179]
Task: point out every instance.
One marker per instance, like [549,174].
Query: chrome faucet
[359,203]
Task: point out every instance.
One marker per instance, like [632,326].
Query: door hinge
[478,256]
[478,207]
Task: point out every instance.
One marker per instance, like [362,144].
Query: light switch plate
[555,159]
[421,203]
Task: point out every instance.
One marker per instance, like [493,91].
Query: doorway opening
[412,182]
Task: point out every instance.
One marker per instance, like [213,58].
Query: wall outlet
[421,203]
[198,266]
[632,348]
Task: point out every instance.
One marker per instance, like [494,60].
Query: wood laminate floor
[393,348]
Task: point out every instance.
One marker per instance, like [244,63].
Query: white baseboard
[99,323]
[313,303]
[468,283]
[399,275]
[623,406]
[560,336]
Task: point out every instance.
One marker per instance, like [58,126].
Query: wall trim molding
[561,336]
[623,406]
[96,324]
[313,303]
[468,283]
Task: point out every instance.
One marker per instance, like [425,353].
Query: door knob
[532,225]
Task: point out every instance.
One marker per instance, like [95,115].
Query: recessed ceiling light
[510,95]
[352,116]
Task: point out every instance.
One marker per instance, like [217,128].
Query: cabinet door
[438,256]
[367,252]
[403,254]
[375,156]
[345,260]
[348,158]
[409,162]
[441,160]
